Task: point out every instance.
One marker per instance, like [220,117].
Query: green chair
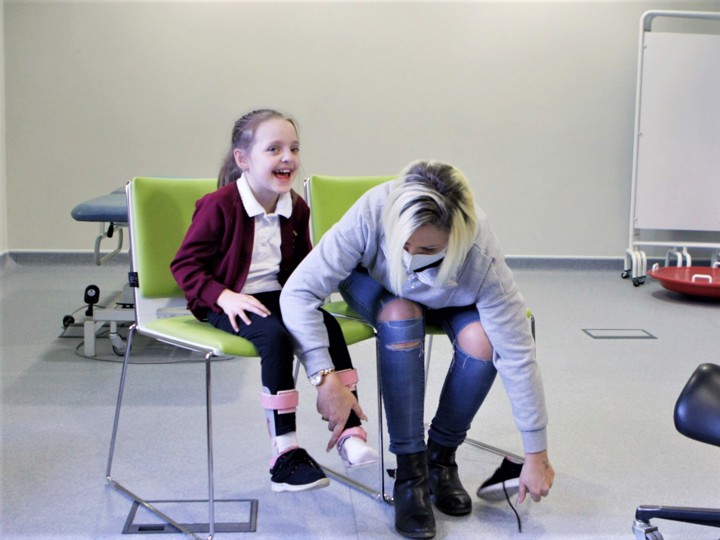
[159,213]
[329,197]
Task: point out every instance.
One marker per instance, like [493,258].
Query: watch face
[317,378]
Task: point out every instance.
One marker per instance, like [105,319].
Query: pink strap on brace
[284,402]
[348,377]
[353,432]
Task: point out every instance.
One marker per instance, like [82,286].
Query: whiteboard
[678,147]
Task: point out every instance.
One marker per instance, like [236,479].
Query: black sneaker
[295,470]
[503,482]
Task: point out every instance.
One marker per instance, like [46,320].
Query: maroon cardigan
[217,250]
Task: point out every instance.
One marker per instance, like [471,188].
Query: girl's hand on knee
[236,304]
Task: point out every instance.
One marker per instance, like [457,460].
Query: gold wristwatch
[316,379]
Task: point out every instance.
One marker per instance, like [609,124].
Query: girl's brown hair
[243,137]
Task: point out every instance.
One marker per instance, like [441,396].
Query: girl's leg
[352,444]
[274,345]
[341,360]
[291,468]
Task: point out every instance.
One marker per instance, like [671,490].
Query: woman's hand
[334,403]
[536,477]
[236,304]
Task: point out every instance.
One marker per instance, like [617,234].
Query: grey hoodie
[484,280]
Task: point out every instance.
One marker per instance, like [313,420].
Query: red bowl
[691,280]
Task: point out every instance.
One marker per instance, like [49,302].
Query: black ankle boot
[413,512]
[450,495]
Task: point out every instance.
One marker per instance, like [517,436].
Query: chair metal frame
[171,331]
[209,356]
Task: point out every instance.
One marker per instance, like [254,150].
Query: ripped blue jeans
[402,369]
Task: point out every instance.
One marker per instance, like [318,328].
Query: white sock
[282,443]
[355,451]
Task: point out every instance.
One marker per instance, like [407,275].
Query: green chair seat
[186,330]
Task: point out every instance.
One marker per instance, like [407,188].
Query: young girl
[244,241]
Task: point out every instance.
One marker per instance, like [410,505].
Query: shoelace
[517,516]
[281,468]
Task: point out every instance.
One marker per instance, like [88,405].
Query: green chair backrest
[330,197]
[160,211]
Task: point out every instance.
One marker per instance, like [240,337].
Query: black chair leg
[643,530]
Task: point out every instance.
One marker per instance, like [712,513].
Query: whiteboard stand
[676,159]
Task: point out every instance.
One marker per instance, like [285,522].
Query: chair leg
[428,353]
[683,514]
[381,436]
[210,463]
[108,471]
[494,450]
[121,390]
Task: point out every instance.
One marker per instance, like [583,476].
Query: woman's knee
[410,334]
[399,309]
[473,341]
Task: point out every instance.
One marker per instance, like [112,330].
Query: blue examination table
[110,211]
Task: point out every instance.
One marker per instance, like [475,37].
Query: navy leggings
[275,346]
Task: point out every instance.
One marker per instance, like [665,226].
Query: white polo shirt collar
[254,208]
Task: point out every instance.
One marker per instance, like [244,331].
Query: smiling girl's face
[272,162]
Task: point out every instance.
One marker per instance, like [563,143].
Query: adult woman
[410,251]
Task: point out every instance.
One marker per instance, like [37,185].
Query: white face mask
[414,262]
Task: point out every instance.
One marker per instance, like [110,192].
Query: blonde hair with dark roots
[429,193]
[243,137]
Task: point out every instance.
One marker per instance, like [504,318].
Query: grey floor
[612,440]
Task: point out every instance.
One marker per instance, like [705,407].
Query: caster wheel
[68,320]
[642,530]
[118,344]
[625,274]
[638,281]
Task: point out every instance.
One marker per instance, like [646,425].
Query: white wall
[533,100]
[3,168]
